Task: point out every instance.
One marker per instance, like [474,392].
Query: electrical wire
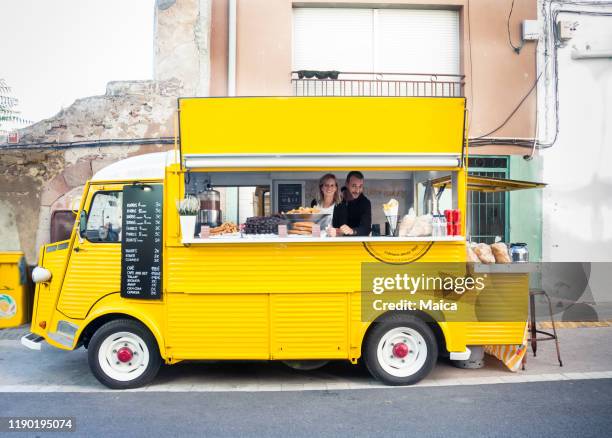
[89,143]
[552,24]
[517,49]
[514,110]
[550,19]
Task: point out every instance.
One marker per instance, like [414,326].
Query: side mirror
[74,205]
[82,223]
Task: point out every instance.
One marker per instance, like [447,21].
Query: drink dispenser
[210,207]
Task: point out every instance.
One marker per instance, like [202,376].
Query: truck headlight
[40,275]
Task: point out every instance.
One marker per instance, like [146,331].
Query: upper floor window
[385,44]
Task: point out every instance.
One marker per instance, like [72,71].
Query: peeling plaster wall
[23,174]
[9,235]
[182,43]
[35,178]
[129,109]
[36,182]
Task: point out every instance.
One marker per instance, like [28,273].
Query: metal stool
[533,331]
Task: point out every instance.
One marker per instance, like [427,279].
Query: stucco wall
[182,43]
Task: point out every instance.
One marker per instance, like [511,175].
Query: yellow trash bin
[14,297]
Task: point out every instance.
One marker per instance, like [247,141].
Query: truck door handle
[77,249]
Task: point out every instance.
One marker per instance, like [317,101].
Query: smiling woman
[72,41]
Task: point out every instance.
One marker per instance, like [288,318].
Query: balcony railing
[333,83]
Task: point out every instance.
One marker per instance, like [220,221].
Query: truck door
[94,267]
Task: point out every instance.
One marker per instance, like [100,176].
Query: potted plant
[188,209]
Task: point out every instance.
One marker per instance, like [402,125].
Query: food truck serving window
[322,204]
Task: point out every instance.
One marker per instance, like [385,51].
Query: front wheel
[123,354]
[400,350]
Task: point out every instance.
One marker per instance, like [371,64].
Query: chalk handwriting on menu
[289,196]
[141,251]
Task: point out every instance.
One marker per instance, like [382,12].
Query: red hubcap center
[400,350]
[124,354]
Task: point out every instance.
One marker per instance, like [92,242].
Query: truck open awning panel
[323,126]
[488,184]
[315,161]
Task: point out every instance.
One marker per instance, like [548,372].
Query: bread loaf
[500,252]
[407,223]
[484,253]
[422,226]
[471,255]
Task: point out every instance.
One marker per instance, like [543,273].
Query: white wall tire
[124,354]
[401,349]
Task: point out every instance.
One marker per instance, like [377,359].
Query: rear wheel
[123,354]
[400,350]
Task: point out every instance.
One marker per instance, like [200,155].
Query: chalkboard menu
[289,196]
[141,249]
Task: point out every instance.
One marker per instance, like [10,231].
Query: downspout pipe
[231,47]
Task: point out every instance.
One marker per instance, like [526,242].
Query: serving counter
[255,238]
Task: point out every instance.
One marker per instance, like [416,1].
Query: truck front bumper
[32,341]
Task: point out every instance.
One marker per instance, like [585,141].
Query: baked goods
[484,253]
[407,223]
[422,226]
[300,232]
[224,228]
[471,255]
[304,228]
[500,252]
[304,210]
[307,225]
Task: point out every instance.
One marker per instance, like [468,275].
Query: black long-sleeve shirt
[357,214]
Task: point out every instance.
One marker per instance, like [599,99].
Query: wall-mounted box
[566,29]
[530,30]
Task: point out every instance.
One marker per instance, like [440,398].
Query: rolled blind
[380,40]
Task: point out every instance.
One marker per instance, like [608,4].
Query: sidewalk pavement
[586,354]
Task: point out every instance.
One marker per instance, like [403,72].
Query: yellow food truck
[141,282]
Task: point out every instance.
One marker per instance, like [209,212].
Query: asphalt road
[561,408]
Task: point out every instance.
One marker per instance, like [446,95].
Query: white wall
[577,204]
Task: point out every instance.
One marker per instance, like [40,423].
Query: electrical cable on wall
[483,140]
[52,145]
[513,111]
[517,49]
[555,45]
